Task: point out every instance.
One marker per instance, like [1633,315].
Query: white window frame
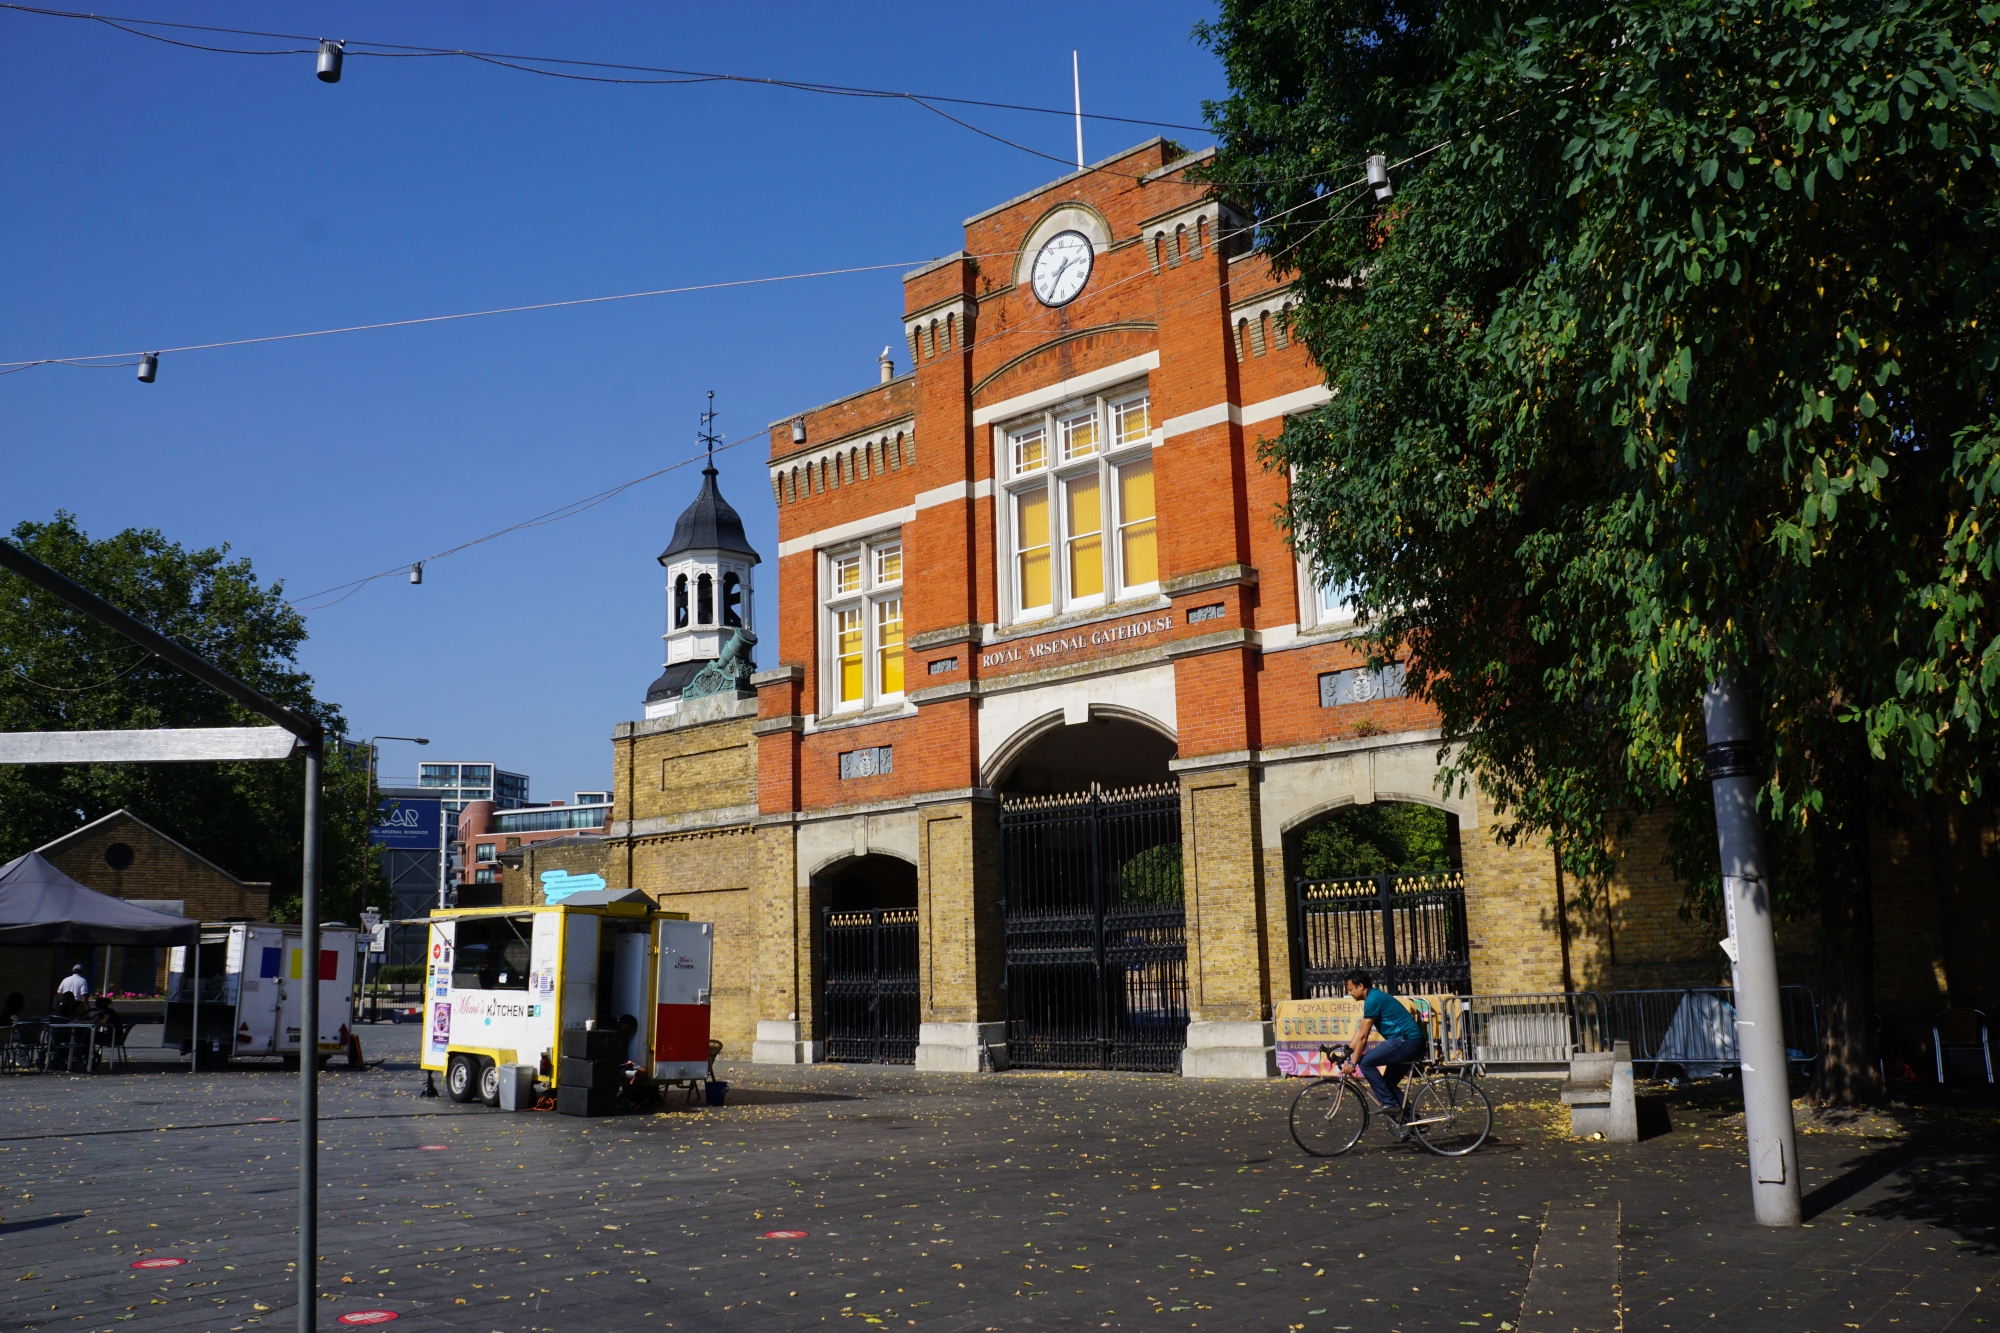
[1104,460]
[1319,605]
[870,592]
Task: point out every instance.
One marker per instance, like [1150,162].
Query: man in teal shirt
[1402,1039]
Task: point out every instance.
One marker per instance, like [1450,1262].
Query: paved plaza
[952,1202]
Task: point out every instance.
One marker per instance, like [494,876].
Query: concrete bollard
[1600,1095]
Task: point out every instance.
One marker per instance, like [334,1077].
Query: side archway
[867,962]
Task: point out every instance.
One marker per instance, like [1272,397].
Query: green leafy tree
[1153,878]
[62,671]
[1398,837]
[1673,354]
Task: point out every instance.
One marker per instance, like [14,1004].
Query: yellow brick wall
[958,892]
[522,886]
[1223,874]
[161,869]
[1277,919]
[710,877]
[784,933]
[1510,908]
[683,770]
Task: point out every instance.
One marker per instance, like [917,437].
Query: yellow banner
[1303,1026]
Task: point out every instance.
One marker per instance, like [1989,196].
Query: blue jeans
[1396,1053]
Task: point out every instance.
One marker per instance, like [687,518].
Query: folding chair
[1960,1030]
[111,1046]
[28,1040]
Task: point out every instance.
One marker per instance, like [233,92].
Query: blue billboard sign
[407,824]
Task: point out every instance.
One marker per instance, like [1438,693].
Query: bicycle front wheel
[1450,1116]
[1328,1118]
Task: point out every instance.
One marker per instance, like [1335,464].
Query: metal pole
[194,1023]
[443,859]
[1076,88]
[1753,948]
[309,1053]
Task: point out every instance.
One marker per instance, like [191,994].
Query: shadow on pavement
[36,1223]
[1951,1185]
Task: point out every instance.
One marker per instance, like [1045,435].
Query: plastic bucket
[717,1090]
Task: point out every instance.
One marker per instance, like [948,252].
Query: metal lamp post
[1752,946]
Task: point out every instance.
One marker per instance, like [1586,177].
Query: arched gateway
[1094,924]
[869,987]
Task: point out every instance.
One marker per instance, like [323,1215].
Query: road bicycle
[1444,1108]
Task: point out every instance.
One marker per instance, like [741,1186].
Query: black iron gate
[1095,930]
[870,995]
[1408,930]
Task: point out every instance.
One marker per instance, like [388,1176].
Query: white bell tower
[710,594]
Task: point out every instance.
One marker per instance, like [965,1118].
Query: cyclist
[1402,1041]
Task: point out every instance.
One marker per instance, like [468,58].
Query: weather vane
[707,433]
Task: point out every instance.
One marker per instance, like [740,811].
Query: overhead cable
[11,367]
[397,50]
[556,515]
[575,507]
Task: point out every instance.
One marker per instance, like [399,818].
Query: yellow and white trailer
[502,984]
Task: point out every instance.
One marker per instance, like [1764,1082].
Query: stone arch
[1066,750]
[1010,750]
[877,874]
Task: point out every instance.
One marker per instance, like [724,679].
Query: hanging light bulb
[149,367]
[1378,176]
[330,53]
[417,572]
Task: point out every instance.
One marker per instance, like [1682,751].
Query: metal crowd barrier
[1540,1028]
[1695,1026]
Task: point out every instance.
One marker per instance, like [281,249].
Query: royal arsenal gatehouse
[1039,769]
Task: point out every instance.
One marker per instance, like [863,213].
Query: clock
[1062,267]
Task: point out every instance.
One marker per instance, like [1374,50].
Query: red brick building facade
[1047,557]
[1046,562]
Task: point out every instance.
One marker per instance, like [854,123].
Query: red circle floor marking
[786,1235]
[369,1317]
[159,1263]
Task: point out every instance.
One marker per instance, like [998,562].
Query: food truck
[503,985]
[252,977]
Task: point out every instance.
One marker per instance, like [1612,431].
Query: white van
[253,979]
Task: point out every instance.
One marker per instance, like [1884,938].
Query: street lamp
[414,740]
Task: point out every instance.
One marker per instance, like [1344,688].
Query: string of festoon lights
[1377,168]
[1376,177]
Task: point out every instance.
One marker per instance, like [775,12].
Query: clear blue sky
[158,196]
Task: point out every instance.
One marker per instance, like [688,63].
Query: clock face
[1062,267]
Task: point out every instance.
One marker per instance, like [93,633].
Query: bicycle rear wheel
[1327,1118]
[1450,1116]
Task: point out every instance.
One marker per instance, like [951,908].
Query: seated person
[641,1089]
[12,1009]
[103,1016]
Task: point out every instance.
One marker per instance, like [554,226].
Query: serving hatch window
[491,953]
